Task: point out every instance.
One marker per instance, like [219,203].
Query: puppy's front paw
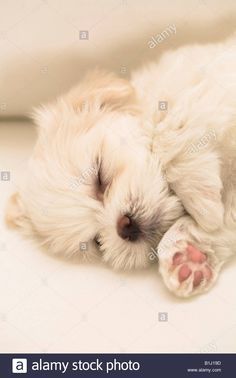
[186,269]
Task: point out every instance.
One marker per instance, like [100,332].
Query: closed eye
[101,183]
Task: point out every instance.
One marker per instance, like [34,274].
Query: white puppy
[134,171]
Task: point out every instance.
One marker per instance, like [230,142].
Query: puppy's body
[195,140]
[199,86]
[111,166]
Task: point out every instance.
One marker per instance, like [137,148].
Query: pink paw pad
[192,262]
[195,255]
[184,272]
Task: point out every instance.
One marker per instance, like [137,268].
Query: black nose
[127,228]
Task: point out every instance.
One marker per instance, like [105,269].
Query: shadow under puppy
[137,183]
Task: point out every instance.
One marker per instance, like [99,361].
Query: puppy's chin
[127,255]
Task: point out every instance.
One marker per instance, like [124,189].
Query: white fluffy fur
[155,164]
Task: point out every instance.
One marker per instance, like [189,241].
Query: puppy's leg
[190,259]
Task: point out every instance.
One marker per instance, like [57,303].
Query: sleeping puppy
[136,171]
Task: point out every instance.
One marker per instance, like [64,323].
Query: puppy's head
[93,187]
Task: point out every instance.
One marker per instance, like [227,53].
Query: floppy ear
[15,215]
[100,90]
[97,92]
[197,182]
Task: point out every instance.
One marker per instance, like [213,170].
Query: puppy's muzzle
[127,228]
